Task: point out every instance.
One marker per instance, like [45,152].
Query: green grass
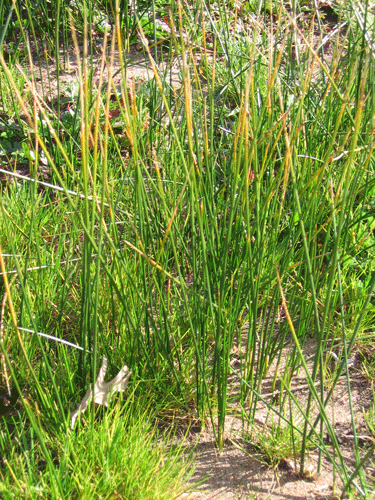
[118,454]
[176,226]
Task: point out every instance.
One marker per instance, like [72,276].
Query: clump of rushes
[227,217]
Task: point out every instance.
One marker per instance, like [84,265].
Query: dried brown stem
[5,371]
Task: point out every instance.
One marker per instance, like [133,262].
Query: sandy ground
[241,470]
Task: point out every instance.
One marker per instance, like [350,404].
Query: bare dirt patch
[242,470]
[51,83]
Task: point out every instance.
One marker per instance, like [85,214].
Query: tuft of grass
[117,454]
[277,442]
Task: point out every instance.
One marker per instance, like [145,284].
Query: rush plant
[200,227]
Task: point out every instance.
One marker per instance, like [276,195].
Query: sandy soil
[241,471]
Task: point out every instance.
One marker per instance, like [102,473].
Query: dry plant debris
[103,391]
